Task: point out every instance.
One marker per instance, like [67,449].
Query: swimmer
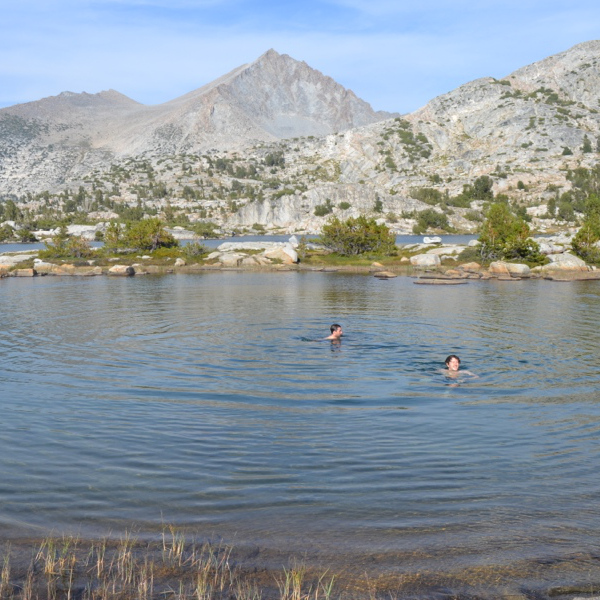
[336,333]
[453,366]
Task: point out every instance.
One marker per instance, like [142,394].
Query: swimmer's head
[452,362]
[336,331]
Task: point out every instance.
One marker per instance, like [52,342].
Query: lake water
[214,243]
[203,401]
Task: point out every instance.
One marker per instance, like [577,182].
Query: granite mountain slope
[525,131]
[46,143]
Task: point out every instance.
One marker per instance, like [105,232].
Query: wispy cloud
[396,55]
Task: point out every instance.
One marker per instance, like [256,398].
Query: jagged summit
[276,97]
[524,125]
[270,98]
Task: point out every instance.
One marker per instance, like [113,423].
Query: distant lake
[205,401]
[213,243]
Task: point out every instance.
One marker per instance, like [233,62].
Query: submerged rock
[384,275]
[434,281]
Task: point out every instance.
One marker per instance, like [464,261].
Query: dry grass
[67,569]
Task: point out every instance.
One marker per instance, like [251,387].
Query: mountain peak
[274,97]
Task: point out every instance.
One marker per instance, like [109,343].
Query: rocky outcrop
[24,273]
[505,269]
[10,260]
[231,254]
[422,261]
[561,263]
[122,270]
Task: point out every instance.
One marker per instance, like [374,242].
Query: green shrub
[584,242]
[63,246]
[194,250]
[566,211]
[114,236]
[430,219]
[321,210]
[25,235]
[473,215]
[148,234]
[57,246]
[344,205]
[357,236]
[463,200]
[480,190]
[205,229]
[6,232]
[505,236]
[427,195]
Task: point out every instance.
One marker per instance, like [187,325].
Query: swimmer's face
[337,333]
[453,364]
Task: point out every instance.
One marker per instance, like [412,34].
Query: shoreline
[443,275]
[430,261]
[173,566]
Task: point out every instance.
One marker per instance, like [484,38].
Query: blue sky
[395,54]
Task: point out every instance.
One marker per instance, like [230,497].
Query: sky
[395,54]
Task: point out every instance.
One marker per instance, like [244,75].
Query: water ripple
[209,401]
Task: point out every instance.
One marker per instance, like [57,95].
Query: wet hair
[335,327]
[449,358]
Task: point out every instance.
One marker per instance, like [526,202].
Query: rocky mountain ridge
[57,138]
[276,143]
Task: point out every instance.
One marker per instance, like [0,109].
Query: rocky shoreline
[433,263]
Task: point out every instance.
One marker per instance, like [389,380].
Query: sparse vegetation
[67,568]
[62,245]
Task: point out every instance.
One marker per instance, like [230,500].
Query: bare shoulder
[469,373]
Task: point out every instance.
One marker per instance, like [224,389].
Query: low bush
[64,246]
[585,242]
[322,210]
[357,236]
[430,219]
[205,229]
[505,236]
[147,235]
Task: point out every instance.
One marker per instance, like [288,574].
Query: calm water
[213,243]
[202,401]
